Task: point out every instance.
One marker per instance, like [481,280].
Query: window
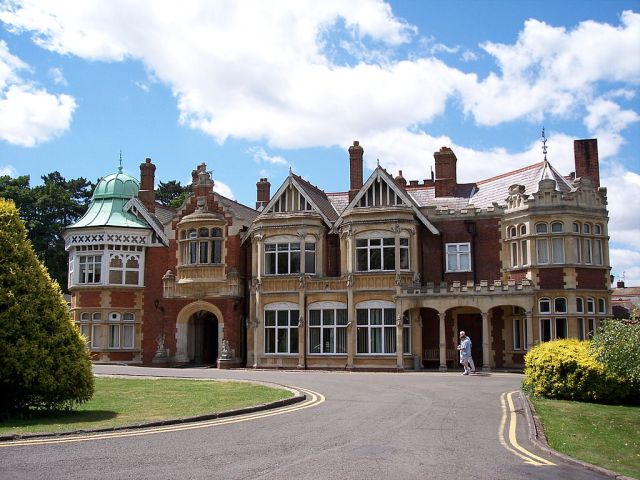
[581,331]
[545,330]
[542,228]
[591,325]
[327,329]
[597,229]
[514,254]
[577,257]
[579,305]
[124,269]
[96,339]
[512,232]
[524,252]
[90,268]
[560,305]
[587,251]
[281,331]
[85,331]
[284,258]
[310,257]
[202,246]
[404,254]
[458,257]
[587,228]
[542,250]
[544,305]
[376,330]
[557,227]
[597,251]
[375,254]
[576,227]
[519,333]
[557,249]
[523,229]
[591,306]
[121,334]
[561,328]
[602,306]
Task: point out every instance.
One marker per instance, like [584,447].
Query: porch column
[485,343]
[443,345]
[302,330]
[399,342]
[529,329]
[416,332]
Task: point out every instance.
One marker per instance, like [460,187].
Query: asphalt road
[370,426]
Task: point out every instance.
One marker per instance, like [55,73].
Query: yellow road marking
[313,399]
[528,457]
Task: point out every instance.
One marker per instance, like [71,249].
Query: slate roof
[339,201]
[238,210]
[317,196]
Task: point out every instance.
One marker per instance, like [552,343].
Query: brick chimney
[263,188]
[356,153]
[147,194]
[446,179]
[586,157]
[400,180]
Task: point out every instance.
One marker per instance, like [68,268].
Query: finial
[120,166]
[378,160]
[544,145]
[289,169]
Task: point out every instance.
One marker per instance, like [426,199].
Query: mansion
[382,276]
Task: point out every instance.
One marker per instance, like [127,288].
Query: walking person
[465,353]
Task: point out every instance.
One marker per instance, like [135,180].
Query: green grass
[603,435]
[119,402]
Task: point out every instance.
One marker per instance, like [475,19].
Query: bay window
[90,268]
[283,258]
[376,329]
[281,329]
[378,253]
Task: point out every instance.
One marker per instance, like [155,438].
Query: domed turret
[117,185]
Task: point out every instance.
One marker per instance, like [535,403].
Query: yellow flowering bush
[565,369]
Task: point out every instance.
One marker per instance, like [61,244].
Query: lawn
[119,402]
[603,435]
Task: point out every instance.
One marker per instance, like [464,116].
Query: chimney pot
[263,193]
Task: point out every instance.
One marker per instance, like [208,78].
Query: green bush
[565,369]
[616,345]
[44,362]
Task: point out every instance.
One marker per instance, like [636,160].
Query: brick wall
[551,278]
[332,255]
[86,299]
[592,278]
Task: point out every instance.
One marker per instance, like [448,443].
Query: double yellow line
[313,399]
[512,445]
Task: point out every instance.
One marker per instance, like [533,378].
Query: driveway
[370,425]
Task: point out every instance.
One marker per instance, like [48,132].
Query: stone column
[443,344]
[485,343]
[352,329]
[529,328]
[302,330]
[399,342]
[416,341]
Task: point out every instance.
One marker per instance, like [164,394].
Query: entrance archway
[198,325]
[202,346]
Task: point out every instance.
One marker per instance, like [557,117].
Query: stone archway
[185,320]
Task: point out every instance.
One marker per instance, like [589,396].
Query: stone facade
[382,276]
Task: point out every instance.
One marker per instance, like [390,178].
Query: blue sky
[256,88]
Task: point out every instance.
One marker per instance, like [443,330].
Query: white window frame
[383,333]
[602,306]
[457,255]
[557,250]
[274,325]
[328,327]
[524,252]
[376,245]
[291,247]
[542,251]
[591,305]
[582,334]
[90,267]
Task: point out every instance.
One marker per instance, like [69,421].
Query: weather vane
[120,167]
[544,145]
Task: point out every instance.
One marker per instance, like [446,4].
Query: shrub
[43,359]
[564,369]
[616,345]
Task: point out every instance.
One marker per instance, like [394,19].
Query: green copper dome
[107,203]
[117,185]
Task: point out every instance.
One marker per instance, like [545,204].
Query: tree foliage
[171,193]
[46,210]
[616,344]
[44,362]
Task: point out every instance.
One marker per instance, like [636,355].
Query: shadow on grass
[58,417]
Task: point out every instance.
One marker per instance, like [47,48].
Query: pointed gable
[296,195]
[382,191]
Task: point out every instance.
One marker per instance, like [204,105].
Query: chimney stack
[400,180]
[620,284]
[356,153]
[263,196]
[147,193]
[446,178]
[586,157]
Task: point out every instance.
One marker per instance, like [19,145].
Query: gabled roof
[135,205]
[379,174]
[312,194]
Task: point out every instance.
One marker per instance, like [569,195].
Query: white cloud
[223,189]
[8,170]
[29,115]
[261,156]
[626,262]
[469,56]
[605,115]
[57,76]
[142,86]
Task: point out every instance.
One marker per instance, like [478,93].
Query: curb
[297,398]
[538,437]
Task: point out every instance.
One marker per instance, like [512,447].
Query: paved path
[369,426]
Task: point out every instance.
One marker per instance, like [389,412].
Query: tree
[44,362]
[47,209]
[171,193]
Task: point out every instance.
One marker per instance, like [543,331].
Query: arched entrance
[202,341]
[199,333]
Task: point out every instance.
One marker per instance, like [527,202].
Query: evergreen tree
[171,193]
[44,362]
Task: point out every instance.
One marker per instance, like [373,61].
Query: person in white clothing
[465,353]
